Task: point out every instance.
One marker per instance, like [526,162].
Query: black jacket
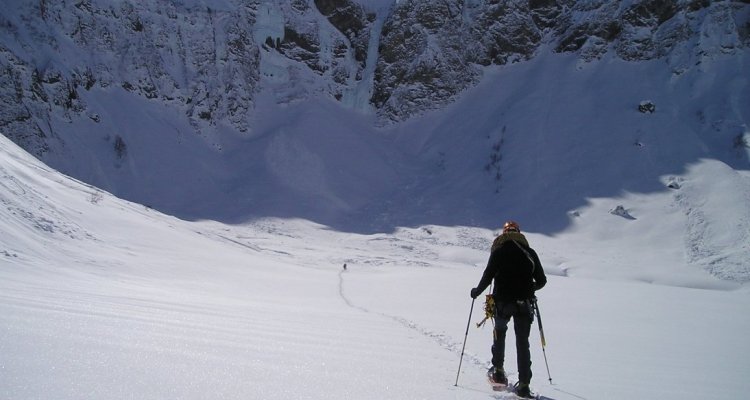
[517,272]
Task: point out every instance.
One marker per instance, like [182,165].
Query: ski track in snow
[441,339]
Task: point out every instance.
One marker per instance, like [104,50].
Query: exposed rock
[674,183]
[620,211]
[206,62]
[423,60]
[154,49]
[303,47]
[505,32]
[643,30]
[20,122]
[351,20]
[546,13]
[647,107]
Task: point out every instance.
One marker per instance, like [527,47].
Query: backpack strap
[533,264]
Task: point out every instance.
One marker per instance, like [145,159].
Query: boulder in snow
[673,184]
[647,107]
[621,212]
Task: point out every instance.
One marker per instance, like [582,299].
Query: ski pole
[541,334]
[464,346]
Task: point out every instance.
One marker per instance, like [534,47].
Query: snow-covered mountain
[204,169]
[431,51]
[210,61]
[101,298]
[370,115]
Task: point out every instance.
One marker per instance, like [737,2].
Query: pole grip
[541,328]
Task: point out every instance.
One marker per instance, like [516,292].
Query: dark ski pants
[522,318]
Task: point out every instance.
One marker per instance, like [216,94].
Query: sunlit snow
[216,272]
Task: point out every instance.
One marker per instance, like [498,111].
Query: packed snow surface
[101,299]
[224,277]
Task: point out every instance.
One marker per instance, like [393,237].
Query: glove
[475,293]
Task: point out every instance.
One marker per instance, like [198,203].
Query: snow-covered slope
[107,299]
[553,142]
[247,137]
[561,144]
[101,298]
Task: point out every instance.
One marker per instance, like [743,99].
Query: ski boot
[497,377]
[522,390]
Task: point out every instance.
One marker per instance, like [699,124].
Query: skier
[518,273]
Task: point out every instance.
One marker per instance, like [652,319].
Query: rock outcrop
[208,63]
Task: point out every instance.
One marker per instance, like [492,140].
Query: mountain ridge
[540,140]
[428,53]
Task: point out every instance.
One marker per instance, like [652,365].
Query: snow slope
[101,299]
[224,279]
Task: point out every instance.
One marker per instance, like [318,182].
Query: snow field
[103,298]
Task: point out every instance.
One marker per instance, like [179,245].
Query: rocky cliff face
[644,30]
[328,37]
[201,60]
[430,51]
[423,58]
[204,61]
[211,62]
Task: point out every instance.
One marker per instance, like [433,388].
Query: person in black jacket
[518,273]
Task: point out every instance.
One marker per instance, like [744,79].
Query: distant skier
[344,266]
[518,273]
